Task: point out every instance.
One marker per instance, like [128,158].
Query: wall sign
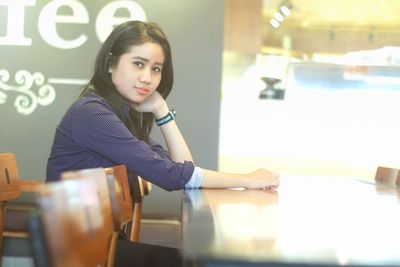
[34,89]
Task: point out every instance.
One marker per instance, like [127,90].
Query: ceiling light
[278,16]
[285,10]
[286,7]
[274,23]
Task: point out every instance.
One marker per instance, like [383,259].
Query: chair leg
[111,250]
[135,228]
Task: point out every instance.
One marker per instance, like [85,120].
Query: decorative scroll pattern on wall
[31,89]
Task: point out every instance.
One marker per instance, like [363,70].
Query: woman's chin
[137,99]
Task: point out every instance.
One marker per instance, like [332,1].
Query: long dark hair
[119,42]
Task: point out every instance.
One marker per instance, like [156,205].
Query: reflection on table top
[308,220]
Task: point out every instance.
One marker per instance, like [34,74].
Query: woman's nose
[145,76]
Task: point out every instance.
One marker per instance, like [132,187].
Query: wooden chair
[134,189]
[124,218]
[9,187]
[74,225]
[19,208]
[127,223]
[388,176]
[122,206]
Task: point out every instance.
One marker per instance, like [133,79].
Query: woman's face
[138,72]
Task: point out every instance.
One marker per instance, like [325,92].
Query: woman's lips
[142,90]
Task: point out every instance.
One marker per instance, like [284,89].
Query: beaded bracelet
[167,118]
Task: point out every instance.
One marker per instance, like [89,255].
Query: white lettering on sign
[106,19]
[49,19]
[15,22]
[33,89]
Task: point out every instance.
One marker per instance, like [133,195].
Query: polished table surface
[327,221]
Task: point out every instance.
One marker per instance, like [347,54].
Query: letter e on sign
[106,19]
[48,19]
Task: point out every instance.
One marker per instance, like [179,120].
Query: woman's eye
[138,63]
[157,69]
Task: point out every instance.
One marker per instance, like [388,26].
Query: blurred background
[306,87]
[310,87]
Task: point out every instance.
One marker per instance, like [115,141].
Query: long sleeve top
[91,135]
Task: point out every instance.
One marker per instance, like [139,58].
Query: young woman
[111,122]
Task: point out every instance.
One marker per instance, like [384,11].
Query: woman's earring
[109,70]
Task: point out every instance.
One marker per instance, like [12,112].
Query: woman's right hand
[258,179]
[262,179]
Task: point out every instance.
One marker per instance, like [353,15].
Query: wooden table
[325,221]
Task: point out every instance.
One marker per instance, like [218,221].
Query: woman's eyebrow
[141,58]
[146,60]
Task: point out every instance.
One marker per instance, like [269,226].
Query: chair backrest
[74,225]
[9,187]
[130,201]
[123,209]
[121,204]
[9,177]
[388,176]
[123,195]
